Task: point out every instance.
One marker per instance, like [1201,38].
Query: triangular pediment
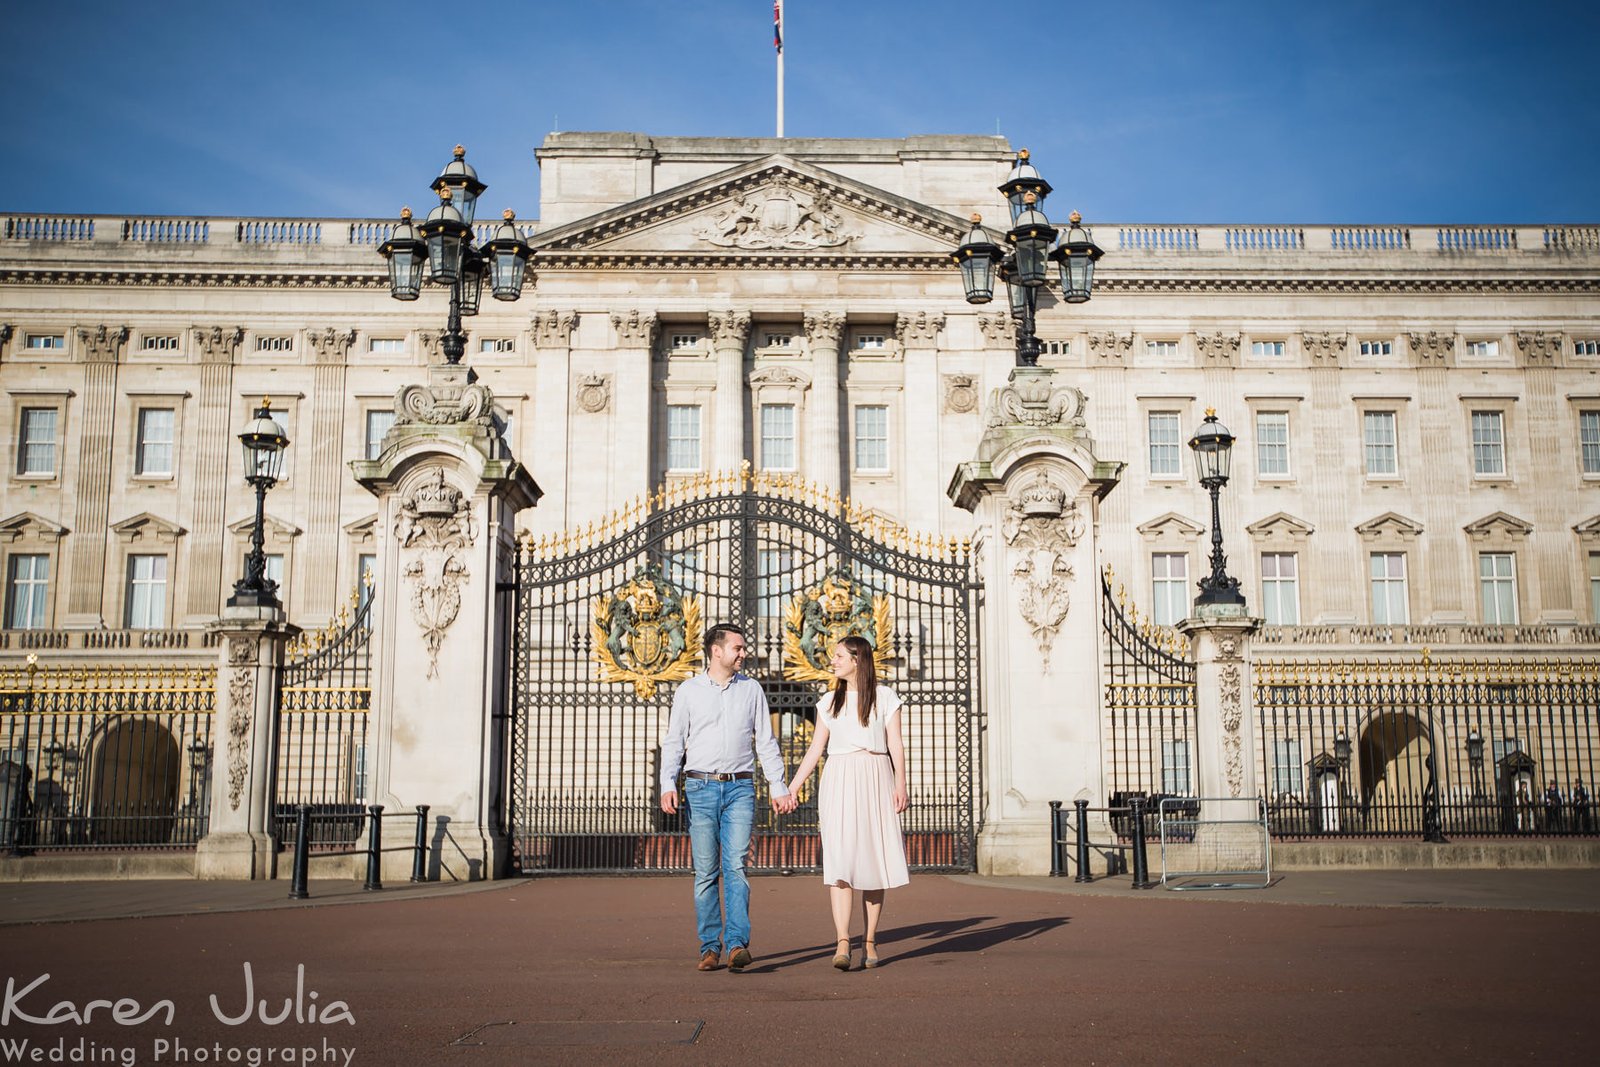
[1171,523]
[145,526]
[26,524]
[1390,524]
[1588,528]
[1280,524]
[772,206]
[363,529]
[1498,522]
[275,527]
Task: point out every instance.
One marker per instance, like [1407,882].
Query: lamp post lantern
[1213,448]
[1025,270]
[443,244]
[263,442]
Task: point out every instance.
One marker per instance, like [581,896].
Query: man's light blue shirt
[711,728]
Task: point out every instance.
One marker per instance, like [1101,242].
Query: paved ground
[1341,967]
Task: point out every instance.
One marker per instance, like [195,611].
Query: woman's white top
[846,734]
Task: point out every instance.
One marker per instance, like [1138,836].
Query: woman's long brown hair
[866,680]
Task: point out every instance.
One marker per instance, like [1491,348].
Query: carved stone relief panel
[434,525]
[593,392]
[960,393]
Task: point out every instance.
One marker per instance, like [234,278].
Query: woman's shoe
[869,958]
[842,960]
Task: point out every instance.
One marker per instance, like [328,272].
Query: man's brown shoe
[739,959]
[711,960]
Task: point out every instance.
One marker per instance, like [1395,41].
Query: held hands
[785,804]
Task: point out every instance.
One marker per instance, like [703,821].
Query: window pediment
[1391,525]
[26,526]
[1280,527]
[1589,529]
[1498,527]
[1171,529]
[276,529]
[147,527]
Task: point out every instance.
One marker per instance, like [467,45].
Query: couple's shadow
[905,943]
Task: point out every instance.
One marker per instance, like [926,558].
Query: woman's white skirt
[861,843]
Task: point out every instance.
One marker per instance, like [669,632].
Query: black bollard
[1141,863]
[1055,839]
[302,854]
[419,859]
[1082,848]
[374,848]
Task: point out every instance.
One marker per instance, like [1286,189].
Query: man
[715,717]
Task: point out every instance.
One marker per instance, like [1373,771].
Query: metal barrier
[1134,815]
[375,816]
[1199,828]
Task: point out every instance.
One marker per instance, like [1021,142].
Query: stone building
[1417,407]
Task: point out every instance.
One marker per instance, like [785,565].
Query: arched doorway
[133,790]
[1394,749]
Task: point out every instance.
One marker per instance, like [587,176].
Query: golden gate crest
[820,617]
[642,633]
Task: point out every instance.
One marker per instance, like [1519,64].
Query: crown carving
[1042,499]
[436,497]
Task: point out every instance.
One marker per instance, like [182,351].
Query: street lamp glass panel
[472,272]
[1031,237]
[1016,294]
[977,257]
[446,236]
[407,255]
[462,182]
[1075,258]
[1022,180]
[508,259]
[263,442]
[1213,449]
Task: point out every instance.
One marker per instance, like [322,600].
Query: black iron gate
[610,620]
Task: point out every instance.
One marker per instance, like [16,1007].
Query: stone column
[1445,469]
[1035,487]
[1334,555]
[99,349]
[552,417]
[631,407]
[1549,599]
[730,330]
[217,347]
[825,459]
[240,842]
[918,335]
[1225,721]
[448,497]
[319,594]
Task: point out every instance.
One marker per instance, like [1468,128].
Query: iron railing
[1418,745]
[1149,706]
[105,756]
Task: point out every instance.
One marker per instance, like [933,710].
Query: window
[682,568]
[1390,604]
[1165,447]
[1586,348]
[358,771]
[1488,443]
[27,592]
[45,342]
[505,424]
[1170,585]
[1266,348]
[1594,587]
[1589,440]
[1483,348]
[777,437]
[1377,434]
[273,570]
[1286,768]
[774,581]
[36,443]
[147,593]
[275,344]
[497,345]
[1280,588]
[1501,747]
[379,423]
[366,578]
[1497,580]
[1377,348]
[386,344]
[1175,767]
[683,340]
[778,340]
[1272,444]
[1057,348]
[872,437]
[683,437]
[871,340]
[153,455]
[154,342]
[1161,349]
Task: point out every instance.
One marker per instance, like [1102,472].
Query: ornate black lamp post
[1213,448]
[443,243]
[263,442]
[1035,245]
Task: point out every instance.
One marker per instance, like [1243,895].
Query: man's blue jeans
[722,816]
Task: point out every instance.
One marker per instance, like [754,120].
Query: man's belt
[715,776]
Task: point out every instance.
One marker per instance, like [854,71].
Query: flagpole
[778,37]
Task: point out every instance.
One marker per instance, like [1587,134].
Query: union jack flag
[777,25]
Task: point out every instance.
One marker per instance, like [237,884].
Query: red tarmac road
[602,971]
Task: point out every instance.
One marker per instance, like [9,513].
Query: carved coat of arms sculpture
[823,615]
[778,215]
[434,524]
[645,633]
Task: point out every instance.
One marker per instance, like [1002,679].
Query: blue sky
[1407,111]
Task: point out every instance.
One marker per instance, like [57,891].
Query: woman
[862,794]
